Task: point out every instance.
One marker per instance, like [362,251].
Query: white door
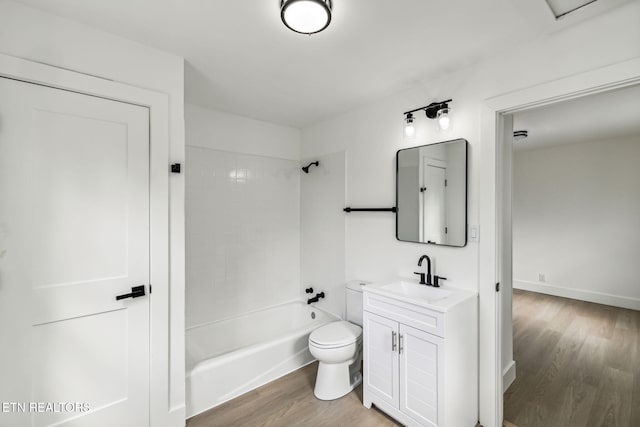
[74,234]
[421,383]
[381,357]
[434,208]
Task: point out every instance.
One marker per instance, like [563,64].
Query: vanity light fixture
[444,121]
[306,16]
[435,110]
[409,128]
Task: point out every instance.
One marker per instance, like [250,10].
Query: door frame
[158,104]
[422,169]
[494,170]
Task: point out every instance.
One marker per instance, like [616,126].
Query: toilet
[338,348]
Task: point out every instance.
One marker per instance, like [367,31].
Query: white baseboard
[508,376]
[579,294]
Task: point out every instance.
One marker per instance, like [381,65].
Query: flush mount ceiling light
[435,110]
[306,16]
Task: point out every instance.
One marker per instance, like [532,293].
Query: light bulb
[444,121]
[409,128]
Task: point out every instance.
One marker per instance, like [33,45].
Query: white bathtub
[228,358]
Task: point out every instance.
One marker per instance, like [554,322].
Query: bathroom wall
[242,215]
[42,37]
[322,243]
[370,135]
[576,211]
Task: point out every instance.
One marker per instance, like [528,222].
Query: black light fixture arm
[433,106]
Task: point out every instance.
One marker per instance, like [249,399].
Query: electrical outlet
[542,277]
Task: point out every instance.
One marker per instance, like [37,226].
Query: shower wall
[242,215]
[322,245]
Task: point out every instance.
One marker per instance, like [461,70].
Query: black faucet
[316,298]
[427,281]
[428,274]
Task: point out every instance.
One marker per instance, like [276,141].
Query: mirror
[431,194]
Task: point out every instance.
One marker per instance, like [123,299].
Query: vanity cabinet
[420,365]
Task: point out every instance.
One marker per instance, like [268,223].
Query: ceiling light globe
[444,122]
[409,131]
[409,128]
[306,16]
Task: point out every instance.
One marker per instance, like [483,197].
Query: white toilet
[338,348]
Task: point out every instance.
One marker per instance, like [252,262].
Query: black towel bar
[349,209]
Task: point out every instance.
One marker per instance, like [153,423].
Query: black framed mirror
[431,193]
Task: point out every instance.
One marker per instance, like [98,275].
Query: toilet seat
[335,335]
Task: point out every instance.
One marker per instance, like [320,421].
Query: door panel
[80,200]
[74,233]
[68,369]
[420,360]
[382,359]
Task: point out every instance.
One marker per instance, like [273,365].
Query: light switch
[474,233]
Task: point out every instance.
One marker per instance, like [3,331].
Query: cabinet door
[421,368]
[381,357]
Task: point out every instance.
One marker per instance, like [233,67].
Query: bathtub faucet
[316,298]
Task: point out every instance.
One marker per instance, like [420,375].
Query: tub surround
[322,230]
[420,353]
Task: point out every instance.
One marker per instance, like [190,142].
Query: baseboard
[508,376]
[579,294]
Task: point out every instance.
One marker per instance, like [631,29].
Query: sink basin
[416,291]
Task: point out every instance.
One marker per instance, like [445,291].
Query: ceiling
[607,115]
[240,58]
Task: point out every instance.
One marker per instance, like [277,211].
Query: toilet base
[334,380]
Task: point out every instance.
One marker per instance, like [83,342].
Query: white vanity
[421,353]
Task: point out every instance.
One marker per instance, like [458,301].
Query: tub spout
[316,298]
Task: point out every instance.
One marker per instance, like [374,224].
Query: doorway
[494,219]
[575,237]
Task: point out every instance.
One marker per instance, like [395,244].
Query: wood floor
[578,364]
[289,401]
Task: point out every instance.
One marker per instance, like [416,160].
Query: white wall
[229,132]
[322,237]
[243,215]
[38,36]
[576,212]
[372,134]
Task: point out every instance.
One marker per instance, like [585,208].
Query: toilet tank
[354,301]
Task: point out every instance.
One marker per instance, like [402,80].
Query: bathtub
[228,358]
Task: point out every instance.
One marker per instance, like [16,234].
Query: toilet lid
[336,334]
